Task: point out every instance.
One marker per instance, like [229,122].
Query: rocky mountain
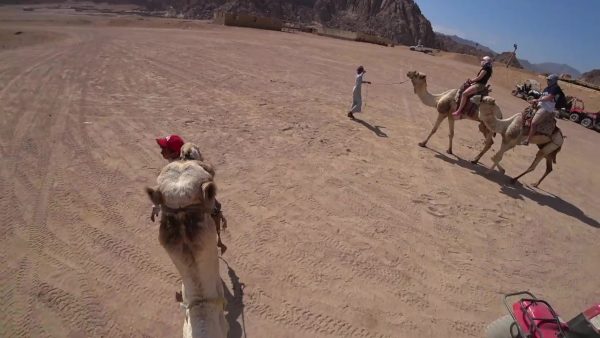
[593,77]
[398,20]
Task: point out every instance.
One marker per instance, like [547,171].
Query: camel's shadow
[235,304]
[520,191]
[376,129]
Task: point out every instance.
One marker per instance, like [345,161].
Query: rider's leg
[463,100]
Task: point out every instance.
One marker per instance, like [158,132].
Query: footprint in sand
[434,206]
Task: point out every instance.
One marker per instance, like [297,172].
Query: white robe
[356,94]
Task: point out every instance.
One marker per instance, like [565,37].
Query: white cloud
[448,31]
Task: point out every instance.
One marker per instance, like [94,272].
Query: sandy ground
[337,228]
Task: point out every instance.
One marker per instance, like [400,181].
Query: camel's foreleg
[439,120]
[450,134]
[499,154]
[489,141]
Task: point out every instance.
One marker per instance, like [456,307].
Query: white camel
[186,193]
[445,103]
[513,133]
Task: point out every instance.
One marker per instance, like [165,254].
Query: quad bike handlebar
[526,317]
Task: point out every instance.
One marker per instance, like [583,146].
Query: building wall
[373,39]
[338,33]
[245,20]
[252,21]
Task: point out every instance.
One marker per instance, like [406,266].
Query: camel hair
[186,193]
[513,133]
[445,103]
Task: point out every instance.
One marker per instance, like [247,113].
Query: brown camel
[445,103]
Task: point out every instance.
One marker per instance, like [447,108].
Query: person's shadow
[376,129]
[519,191]
[235,304]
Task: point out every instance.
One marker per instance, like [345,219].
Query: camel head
[417,78]
[190,151]
[487,105]
[186,193]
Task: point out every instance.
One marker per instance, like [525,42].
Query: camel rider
[476,85]
[170,147]
[546,105]
[357,92]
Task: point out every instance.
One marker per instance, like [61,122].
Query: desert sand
[337,228]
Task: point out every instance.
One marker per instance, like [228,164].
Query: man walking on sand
[357,92]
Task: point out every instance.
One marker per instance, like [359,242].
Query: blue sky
[561,31]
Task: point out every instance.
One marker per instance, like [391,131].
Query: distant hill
[467,43]
[456,44]
[550,67]
[593,77]
[506,57]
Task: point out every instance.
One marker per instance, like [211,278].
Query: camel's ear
[155,196]
[422,76]
[476,99]
[209,168]
[209,191]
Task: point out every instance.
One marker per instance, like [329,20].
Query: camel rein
[219,301]
[192,207]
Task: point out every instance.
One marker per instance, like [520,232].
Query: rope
[389,83]
[380,84]
[219,301]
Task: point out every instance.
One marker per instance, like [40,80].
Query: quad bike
[530,317]
[527,91]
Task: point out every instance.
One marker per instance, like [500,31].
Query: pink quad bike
[530,317]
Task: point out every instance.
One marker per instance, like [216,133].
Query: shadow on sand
[376,129]
[520,191]
[235,304]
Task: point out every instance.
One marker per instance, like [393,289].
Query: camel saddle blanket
[546,127]
[471,109]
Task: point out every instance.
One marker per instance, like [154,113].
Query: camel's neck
[203,290]
[492,119]
[427,98]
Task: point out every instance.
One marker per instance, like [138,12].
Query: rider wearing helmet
[476,85]
[546,105]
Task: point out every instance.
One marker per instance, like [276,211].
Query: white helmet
[487,59]
[552,78]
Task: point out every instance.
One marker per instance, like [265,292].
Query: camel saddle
[471,109]
[546,126]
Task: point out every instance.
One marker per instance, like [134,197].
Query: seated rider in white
[546,105]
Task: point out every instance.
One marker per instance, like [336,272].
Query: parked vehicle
[530,317]
[591,120]
[421,48]
[528,90]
